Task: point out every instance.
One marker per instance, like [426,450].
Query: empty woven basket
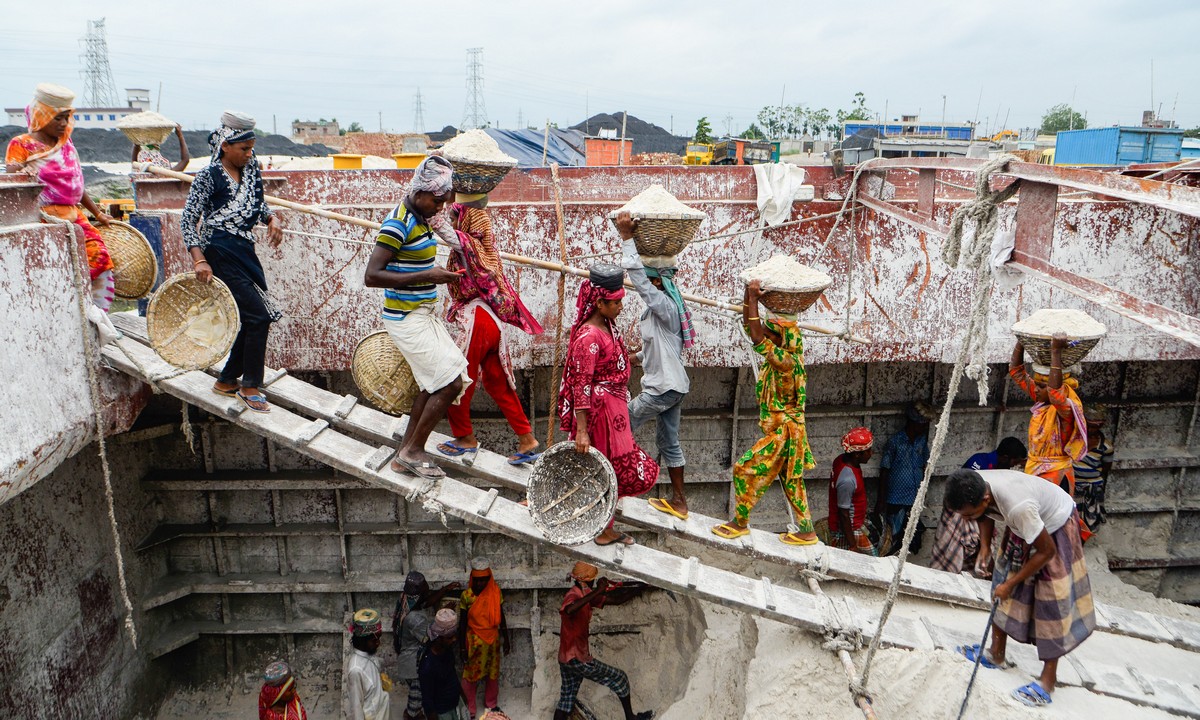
[383,375]
[475,177]
[572,496]
[135,269]
[192,324]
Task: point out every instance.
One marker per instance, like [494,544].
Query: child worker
[223,207]
[783,451]
[47,153]
[1040,581]
[848,494]
[1058,428]
[486,305]
[666,326]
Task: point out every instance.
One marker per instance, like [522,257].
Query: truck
[740,151]
[698,154]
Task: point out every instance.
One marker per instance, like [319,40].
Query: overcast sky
[663,61]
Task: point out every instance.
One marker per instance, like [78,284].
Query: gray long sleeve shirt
[662,344]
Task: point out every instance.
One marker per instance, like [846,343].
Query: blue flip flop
[970,651]
[520,458]
[1032,695]
[453,449]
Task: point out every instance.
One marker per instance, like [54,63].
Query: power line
[99,90]
[474,114]
[418,113]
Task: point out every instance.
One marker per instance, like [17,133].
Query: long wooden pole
[521,259]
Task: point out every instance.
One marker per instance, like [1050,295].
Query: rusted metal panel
[1036,207]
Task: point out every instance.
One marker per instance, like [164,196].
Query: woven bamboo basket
[663,235]
[135,269]
[572,496]
[475,177]
[192,324]
[791,302]
[383,375]
[1038,348]
[147,135]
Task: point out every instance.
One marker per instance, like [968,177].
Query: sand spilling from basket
[783,274]
[656,201]
[1072,323]
[476,146]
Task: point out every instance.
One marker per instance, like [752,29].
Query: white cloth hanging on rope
[779,185]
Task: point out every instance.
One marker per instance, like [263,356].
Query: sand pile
[655,201]
[1073,323]
[476,146]
[783,273]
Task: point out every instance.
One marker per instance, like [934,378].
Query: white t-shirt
[847,483]
[1027,503]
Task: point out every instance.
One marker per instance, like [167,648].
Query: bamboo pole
[521,259]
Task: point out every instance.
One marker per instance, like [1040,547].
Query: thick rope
[82,296]
[973,256]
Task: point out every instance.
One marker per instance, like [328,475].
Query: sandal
[450,448]
[730,531]
[791,538]
[621,538]
[970,651]
[520,458]
[424,469]
[1032,695]
[227,393]
[664,505]
[256,402]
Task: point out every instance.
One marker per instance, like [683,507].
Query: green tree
[769,119]
[1061,117]
[753,133]
[354,127]
[703,131]
[818,121]
[859,110]
[1193,133]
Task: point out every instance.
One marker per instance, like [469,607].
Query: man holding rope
[403,264]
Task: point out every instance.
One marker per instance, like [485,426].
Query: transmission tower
[99,90]
[474,114]
[418,113]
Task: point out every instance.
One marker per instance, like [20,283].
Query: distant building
[911,126]
[136,100]
[310,131]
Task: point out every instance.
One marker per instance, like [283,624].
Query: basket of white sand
[572,496]
[479,163]
[135,269]
[665,226]
[146,128]
[383,375]
[192,324]
[788,286]
[1036,331]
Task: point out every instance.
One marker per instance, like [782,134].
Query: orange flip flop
[664,505]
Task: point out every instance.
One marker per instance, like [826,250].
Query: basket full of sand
[479,163]
[665,226]
[1036,331]
[788,286]
[146,127]
[383,375]
[572,496]
[192,324]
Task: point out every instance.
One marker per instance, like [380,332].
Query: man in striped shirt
[402,263]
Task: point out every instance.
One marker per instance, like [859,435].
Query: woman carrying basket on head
[485,304]
[1058,429]
[223,207]
[593,400]
[47,153]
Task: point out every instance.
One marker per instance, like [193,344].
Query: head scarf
[919,412]
[857,440]
[667,274]
[48,101]
[1095,413]
[434,175]
[483,610]
[277,680]
[476,200]
[1041,374]
[444,624]
[605,282]
[235,127]
[415,587]
[584,571]
[366,623]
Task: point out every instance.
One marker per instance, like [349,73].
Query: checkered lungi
[575,672]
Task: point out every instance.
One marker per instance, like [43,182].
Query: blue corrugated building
[949,131]
[1117,146]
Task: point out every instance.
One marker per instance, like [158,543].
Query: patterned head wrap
[434,175]
[48,101]
[480,567]
[584,571]
[415,583]
[857,440]
[366,623]
[444,624]
[605,282]
[920,413]
[277,680]
[277,673]
[667,275]
[235,127]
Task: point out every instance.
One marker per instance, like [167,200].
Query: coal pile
[646,137]
[95,145]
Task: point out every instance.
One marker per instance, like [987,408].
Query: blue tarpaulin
[563,147]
